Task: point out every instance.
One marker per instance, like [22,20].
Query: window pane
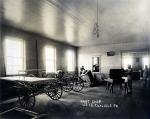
[14,55]
[145,61]
[127,59]
[50,67]
[70,60]
[50,59]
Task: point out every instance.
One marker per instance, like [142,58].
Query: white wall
[34,56]
[107,62]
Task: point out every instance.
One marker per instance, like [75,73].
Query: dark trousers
[145,81]
[130,85]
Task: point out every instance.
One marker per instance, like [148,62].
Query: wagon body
[28,87]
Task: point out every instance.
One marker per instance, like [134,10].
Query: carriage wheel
[78,85]
[31,75]
[27,99]
[68,86]
[54,92]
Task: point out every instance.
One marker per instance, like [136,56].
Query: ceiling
[72,21]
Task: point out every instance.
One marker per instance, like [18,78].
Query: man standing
[129,77]
[145,75]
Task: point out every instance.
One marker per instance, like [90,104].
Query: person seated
[82,70]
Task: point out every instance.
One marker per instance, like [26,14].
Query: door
[137,63]
[96,66]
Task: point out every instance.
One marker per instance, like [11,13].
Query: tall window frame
[14,55]
[145,61]
[70,55]
[127,59]
[50,59]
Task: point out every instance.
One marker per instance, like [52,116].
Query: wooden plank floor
[135,106]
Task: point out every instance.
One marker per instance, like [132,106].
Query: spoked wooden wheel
[27,99]
[31,75]
[78,84]
[68,86]
[54,92]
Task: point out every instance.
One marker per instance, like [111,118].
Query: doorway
[137,60]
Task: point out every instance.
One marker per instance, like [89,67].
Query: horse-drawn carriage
[29,85]
[68,80]
[71,81]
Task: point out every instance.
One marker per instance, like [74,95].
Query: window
[145,61]
[50,59]
[14,55]
[127,59]
[70,60]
